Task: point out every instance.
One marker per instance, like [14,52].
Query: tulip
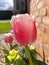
[24,29]
[25,32]
[8,38]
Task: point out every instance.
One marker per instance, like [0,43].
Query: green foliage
[20,62]
[34,57]
[41,62]
[14,58]
[7,61]
[11,47]
[33,54]
[6,52]
[23,53]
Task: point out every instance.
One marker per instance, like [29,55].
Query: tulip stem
[28,55]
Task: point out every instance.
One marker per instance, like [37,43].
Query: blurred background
[6,4]
[10,7]
[6,7]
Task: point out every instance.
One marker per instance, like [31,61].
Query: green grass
[5,26]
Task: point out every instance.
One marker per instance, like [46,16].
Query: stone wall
[40,8]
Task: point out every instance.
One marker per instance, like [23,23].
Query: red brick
[47,31]
[38,46]
[33,1]
[42,12]
[42,28]
[38,20]
[40,5]
[45,20]
[43,36]
[45,2]
[48,10]
[39,49]
[37,1]
[32,8]
[46,49]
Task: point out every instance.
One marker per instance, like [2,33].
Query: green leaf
[34,57]
[20,62]
[41,62]
[7,61]
[6,51]
[33,54]
[23,54]
[11,47]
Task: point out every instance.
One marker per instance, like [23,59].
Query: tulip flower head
[24,29]
[8,38]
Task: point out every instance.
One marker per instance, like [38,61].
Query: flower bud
[8,38]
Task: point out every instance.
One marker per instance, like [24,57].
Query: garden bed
[2,43]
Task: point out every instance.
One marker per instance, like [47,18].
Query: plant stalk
[28,55]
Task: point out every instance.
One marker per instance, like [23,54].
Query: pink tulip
[8,38]
[24,29]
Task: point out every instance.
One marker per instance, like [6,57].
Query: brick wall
[40,8]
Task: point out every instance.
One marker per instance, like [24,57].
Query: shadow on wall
[5,15]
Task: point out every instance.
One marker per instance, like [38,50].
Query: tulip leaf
[20,62]
[33,54]
[41,62]
[34,57]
